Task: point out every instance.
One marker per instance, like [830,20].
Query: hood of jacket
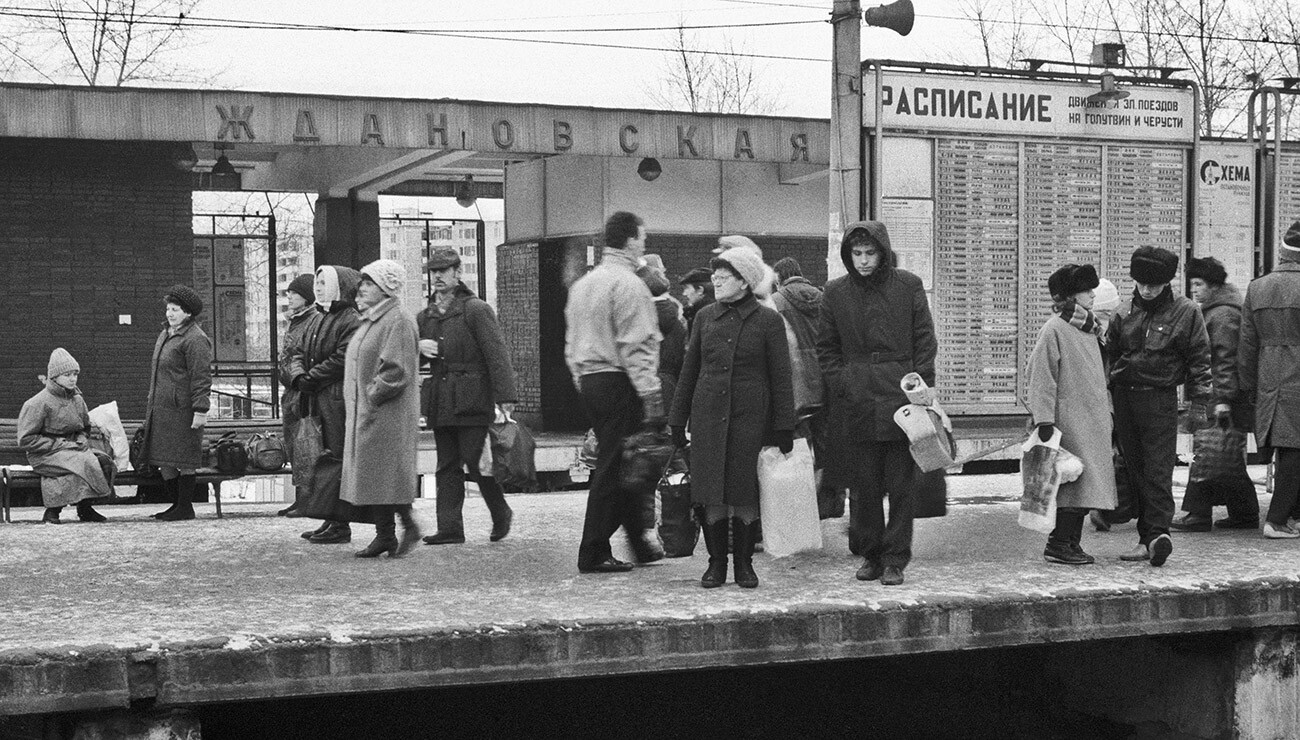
[349,282]
[803,295]
[1224,295]
[878,233]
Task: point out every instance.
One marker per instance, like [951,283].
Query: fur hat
[61,363]
[1106,297]
[1291,242]
[302,285]
[698,276]
[1208,269]
[1153,265]
[748,265]
[737,241]
[185,297]
[444,258]
[387,274]
[1072,279]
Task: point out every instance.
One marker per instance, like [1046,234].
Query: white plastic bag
[105,417]
[1044,467]
[787,498]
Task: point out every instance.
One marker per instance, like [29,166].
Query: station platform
[209,611]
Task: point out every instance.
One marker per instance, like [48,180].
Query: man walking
[874,328]
[1270,374]
[471,374]
[1155,343]
[611,345]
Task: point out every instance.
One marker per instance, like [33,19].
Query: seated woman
[52,431]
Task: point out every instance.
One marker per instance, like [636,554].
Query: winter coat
[734,392]
[381,390]
[290,399]
[472,372]
[179,386]
[1160,344]
[871,332]
[799,303]
[1067,388]
[1269,355]
[689,312]
[672,349]
[52,430]
[320,356]
[1222,312]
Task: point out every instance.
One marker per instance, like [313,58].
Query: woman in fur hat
[736,395]
[52,431]
[1067,391]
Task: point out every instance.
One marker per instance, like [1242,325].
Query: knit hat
[1072,279]
[1291,242]
[698,276]
[1208,269]
[302,285]
[185,297]
[61,363]
[387,274]
[1153,265]
[748,265]
[736,241]
[1106,297]
[444,258]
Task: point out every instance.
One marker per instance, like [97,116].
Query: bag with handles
[266,452]
[231,454]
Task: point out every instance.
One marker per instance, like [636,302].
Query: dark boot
[313,532]
[715,540]
[410,530]
[336,533]
[87,513]
[385,535]
[51,515]
[745,536]
[184,501]
[169,490]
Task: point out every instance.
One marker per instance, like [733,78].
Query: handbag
[139,453]
[678,530]
[513,449]
[308,445]
[787,496]
[1218,452]
[231,454]
[266,452]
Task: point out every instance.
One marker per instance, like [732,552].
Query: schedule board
[1288,188]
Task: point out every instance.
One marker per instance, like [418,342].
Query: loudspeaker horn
[897,16]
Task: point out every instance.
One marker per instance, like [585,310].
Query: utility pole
[846,128]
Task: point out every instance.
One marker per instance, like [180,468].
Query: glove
[200,418]
[304,384]
[1045,431]
[1223,414]
[784,440]
[653,405]
[679,437]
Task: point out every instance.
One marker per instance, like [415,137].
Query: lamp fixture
[465,196]
[649,169]
[1109,90]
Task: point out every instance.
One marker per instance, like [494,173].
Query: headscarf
[329,291]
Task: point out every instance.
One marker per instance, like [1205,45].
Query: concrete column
[1267,689]
[346,231]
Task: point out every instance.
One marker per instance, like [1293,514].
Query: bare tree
[1201,31]
[1004,38]
[707,81]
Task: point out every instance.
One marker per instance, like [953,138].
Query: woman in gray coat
[177,409]
[381,390]
[735,392]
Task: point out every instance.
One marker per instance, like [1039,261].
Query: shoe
[645,547]
[744,537]
[1079,551]
[337,534]
[410,531]
[169,491]
[1271,531]
[715,541]
[285,511]
[870,571]
[1230,523]
[87,513]
[51,515]
[1098,521]
[1160,548]
[1065,554]
[378,546]
[893,576]
[312,532]
[1192,523]
[502,528]
[610,564]
[1138,554]
[184,501]
[442,538]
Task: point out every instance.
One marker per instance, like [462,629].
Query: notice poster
[1225,208]
[228,261]
[911,234]
[231,339]
[203,279]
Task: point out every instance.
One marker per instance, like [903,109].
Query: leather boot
[336,533]
[325,525]
[410,530]
[51,515]
[744,536]
[184,501]
[169,490]
[385,535]
[715,540]
[87,513]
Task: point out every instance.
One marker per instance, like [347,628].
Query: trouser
[1069,526]
[830,495]
[459,450]
[615,411]
[882,469]
[1286,486]
[1146,425]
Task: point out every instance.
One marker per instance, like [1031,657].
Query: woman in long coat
[1067,391]
[177,409]
[736,394]
[52,431]
[381,389]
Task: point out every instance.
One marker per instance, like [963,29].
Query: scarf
[1078,317]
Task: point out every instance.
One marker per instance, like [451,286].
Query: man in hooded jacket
[874,327]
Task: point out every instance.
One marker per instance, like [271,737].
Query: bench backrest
[12,454]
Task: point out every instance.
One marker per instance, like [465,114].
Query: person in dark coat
[1155,343]
[316,369]
[1269,371]
[697,292]
[874,328]
[1221,306]
[177,407]
[735,395]
[462,341]
[300,309]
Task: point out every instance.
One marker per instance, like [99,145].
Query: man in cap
[697,292]
[299,309]
[1155,343]
[471,375]
[1269,371]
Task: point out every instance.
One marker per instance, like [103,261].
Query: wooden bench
[15,473]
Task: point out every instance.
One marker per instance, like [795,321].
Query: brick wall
[89,230]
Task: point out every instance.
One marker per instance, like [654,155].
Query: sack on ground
[513,449]
[266,452]
[231,455]
[308,445]
[1218,453]
[787,497]
[106,417]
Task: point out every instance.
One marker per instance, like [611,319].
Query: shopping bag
[931,495]
[513,448]
[308,445]
[105,416]
[787,497]
[1218,452]
[1040,480]
[678,529]
[319,498]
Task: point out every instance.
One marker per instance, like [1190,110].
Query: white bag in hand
[105,416]
[787,498]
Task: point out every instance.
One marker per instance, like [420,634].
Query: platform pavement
[241,608]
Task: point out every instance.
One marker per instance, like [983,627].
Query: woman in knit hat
[298,309]
[177,409]
[52,431]
[381,389]
[735,393]
[1067,391]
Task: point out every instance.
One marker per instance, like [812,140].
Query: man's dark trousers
[882,469]
[1146,425]
[616,413]
[459,450]
[1286,486]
